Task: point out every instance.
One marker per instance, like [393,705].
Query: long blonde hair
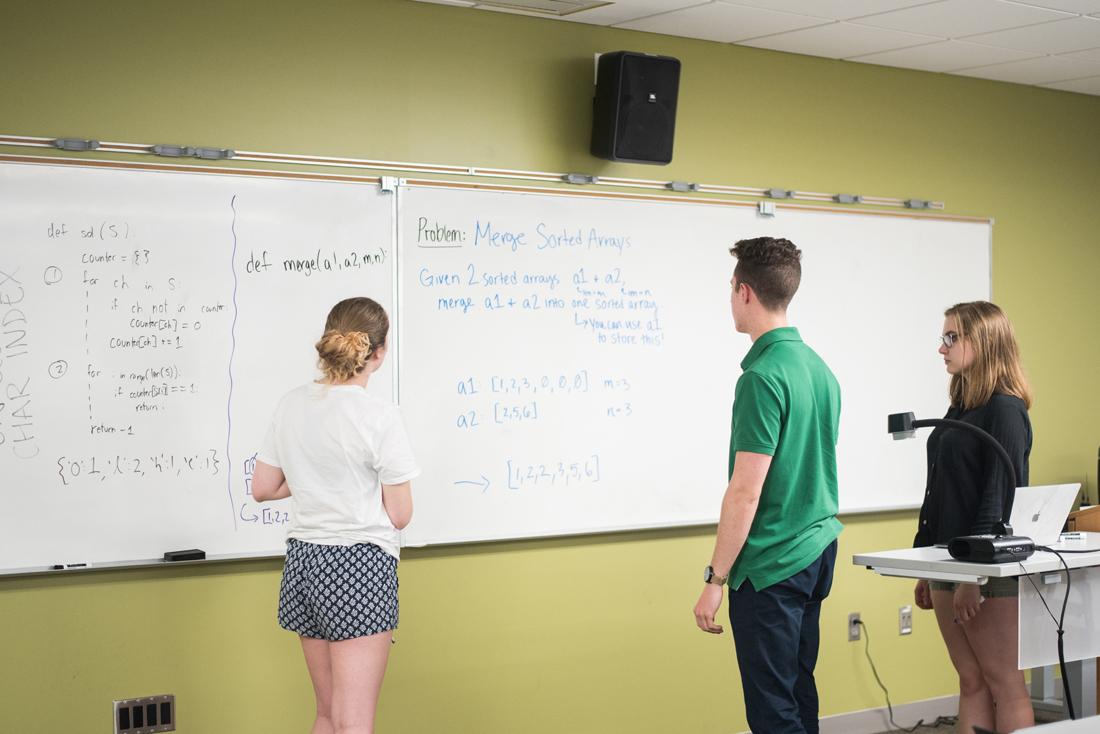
[355,329]
[996,365]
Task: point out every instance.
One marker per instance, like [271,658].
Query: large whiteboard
[568,363]
[149,322]
[565,363]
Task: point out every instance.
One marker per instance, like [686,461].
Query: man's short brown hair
[771,266]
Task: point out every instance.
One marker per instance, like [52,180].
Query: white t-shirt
[337,445]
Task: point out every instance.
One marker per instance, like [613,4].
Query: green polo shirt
[787,405]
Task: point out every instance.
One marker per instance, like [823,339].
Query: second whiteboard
[568,363]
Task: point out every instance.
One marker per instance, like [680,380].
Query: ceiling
[1046,43]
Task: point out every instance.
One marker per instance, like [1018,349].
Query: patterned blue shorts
[338,592]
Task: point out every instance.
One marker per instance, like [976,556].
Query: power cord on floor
[939,720]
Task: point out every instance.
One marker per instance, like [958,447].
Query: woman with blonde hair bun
[343,458]
[967,493]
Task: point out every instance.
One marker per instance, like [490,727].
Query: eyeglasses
[948,340]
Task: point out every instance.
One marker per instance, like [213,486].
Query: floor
[1041,717]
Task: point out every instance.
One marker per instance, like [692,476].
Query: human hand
[707,607]
[968,601]
[922,595]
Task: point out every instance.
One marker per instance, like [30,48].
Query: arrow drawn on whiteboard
[484,483]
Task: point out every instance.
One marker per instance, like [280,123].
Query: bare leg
[358,666]
[320,672]
[975,699]
[994,638]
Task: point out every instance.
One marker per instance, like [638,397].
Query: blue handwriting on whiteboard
[515,413]
[493,238]
[429,279]
[563,473]
[519,385]
[566,238]
[502,278]
[621,410]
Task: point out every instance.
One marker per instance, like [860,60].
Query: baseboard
[872,721]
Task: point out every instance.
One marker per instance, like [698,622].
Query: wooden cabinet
[1086,519]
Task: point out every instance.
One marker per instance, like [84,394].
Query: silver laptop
[1040,512]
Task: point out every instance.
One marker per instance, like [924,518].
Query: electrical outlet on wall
[853,626]
[146,715]
[905,620]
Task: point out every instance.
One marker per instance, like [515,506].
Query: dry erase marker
[63,566]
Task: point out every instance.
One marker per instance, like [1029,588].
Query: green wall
[566,635]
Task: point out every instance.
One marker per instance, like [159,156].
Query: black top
[968,487]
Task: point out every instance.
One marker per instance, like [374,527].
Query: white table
[937,564]
[1038,633]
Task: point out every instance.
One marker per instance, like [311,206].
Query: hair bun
[355,330]
[343,354]
[358,341]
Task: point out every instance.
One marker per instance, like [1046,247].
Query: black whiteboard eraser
[194,554]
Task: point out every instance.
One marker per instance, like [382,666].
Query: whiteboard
[149,322]
[568,362]
[565,363]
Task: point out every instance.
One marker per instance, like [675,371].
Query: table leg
[1083,687]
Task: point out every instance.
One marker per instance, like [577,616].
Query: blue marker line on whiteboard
[232,353]
[483,483]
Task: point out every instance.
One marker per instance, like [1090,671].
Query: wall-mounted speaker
[634,111]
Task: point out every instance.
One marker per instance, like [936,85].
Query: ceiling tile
[1061,36]
[956,18]
[837,9]
[1070,6]
[944,56]
[720,21]
[624,10]
[1091,85]
[1091,54]
[840,40]
[1007,40]
[1040,70]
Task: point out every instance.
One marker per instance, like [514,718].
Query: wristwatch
[710,577]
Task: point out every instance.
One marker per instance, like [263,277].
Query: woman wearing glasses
[967,493]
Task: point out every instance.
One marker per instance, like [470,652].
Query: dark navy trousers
[776,634]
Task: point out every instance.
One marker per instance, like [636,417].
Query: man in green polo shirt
[776,543]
